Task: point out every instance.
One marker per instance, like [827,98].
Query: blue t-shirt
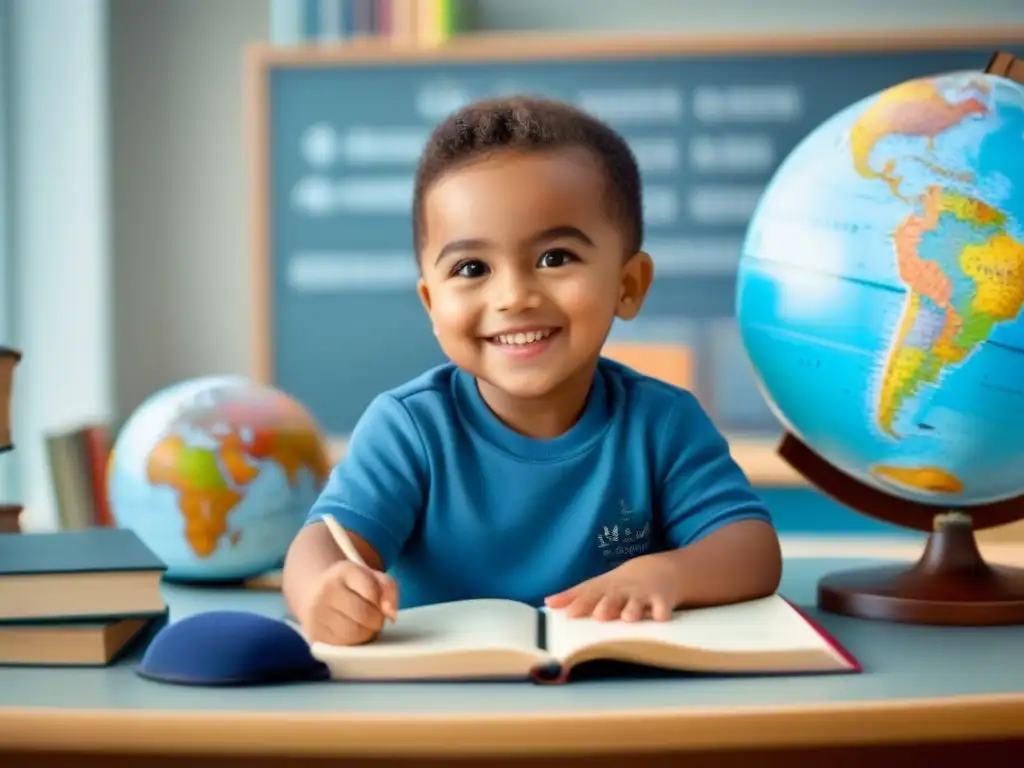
[460,506]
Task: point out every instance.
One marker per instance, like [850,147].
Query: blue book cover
[66,552]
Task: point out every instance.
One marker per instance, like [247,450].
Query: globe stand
[950,584]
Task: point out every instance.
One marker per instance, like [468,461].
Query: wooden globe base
[950,584]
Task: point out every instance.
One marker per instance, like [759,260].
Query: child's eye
[556,257]
[470,268]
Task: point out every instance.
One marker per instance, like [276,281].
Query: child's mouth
[522,344]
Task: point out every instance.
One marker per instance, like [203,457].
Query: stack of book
[77,598]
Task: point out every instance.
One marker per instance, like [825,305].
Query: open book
[494,639]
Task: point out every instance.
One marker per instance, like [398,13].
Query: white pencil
[343,541]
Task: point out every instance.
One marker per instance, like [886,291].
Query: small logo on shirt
[629,536]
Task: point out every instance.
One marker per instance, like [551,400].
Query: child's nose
[516,292]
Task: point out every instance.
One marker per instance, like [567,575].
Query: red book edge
[97,441]
[827,637]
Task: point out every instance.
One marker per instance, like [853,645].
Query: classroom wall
[150,184]
[182,287]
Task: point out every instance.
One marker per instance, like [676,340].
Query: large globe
[216,476]
[880,289]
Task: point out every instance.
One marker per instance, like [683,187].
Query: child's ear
[424,293]
[636,279]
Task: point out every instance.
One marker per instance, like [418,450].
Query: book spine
[550,674]
[97,449]
[384,18]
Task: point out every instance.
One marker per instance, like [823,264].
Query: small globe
[216,476]
[880,288]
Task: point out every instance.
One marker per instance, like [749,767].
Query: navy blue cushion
[229,648]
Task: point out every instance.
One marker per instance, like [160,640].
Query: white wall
[9,487]
[58,217]
[182,277]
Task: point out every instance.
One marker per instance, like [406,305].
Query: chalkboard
[336,133]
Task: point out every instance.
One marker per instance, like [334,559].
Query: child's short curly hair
[526,123]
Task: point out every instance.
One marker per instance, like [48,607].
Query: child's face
[520,246]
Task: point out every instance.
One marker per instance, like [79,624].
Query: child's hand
[639,587]
[348,605]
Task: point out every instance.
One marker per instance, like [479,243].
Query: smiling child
[529,467]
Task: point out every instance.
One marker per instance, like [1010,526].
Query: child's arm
[741,560]
[724,547]
[721,546]
[376,493]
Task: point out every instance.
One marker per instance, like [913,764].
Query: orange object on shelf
[671,363]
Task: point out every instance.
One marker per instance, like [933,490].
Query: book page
[474,635]
[757,626]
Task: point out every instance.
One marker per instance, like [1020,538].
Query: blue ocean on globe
[880,290]
[216,475]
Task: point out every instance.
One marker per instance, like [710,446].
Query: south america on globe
[216,475]
[881,285]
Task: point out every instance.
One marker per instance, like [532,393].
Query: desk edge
[994,716]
